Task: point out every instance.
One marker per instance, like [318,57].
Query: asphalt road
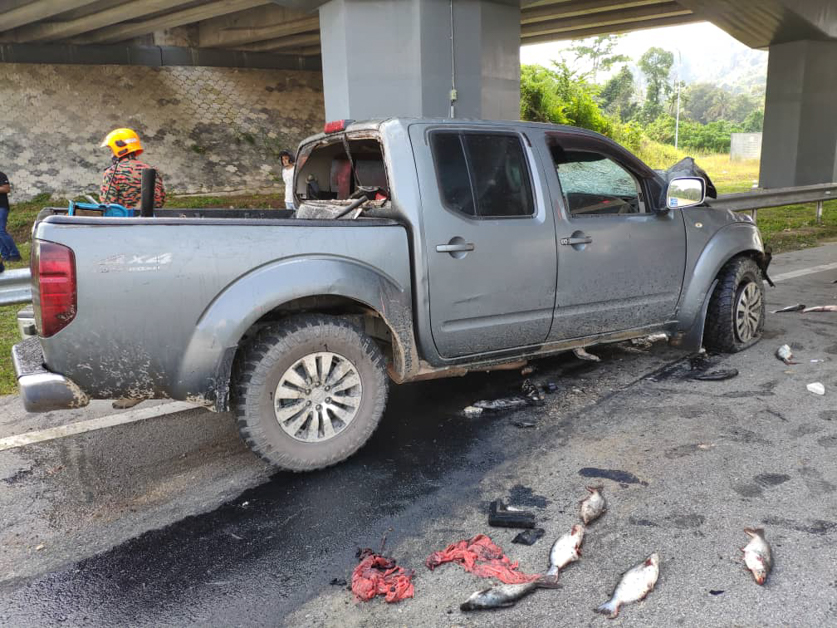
[172,522]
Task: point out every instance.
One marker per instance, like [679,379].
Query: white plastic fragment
[816,388]
[472,411]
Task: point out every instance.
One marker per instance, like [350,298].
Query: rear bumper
[42,390]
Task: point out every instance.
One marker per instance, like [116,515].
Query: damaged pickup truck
[420,249]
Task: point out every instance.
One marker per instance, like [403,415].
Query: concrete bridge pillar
[800,118]
[384,59]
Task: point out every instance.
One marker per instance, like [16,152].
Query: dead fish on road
[594,505]
[757,554]
[791,308]
[635,584]
[566,550]
[581,354]
[820,308]
[505,595]
[785,354]
[502,405]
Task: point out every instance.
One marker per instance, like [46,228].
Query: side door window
[595,185]
[483,175]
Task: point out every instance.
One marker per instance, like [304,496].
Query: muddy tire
[309,392]
[735,318]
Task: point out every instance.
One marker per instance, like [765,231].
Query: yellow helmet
[122,142]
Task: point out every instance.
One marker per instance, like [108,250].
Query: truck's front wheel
[309,392]
[735,318]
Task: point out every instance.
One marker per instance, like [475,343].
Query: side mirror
[685,192]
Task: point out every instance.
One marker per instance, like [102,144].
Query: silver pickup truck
[420,249]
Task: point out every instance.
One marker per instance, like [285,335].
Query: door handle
[574,241]
[455,248]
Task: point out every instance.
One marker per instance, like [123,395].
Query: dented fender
[240,305]
[728,242]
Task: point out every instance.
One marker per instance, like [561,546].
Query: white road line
[805,271]
[131,416]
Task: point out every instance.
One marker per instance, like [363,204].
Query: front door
[489,240]
[620,263]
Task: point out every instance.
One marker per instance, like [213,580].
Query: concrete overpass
[437,57]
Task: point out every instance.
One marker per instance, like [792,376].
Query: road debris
[593,506]
[505,595]
[791,308]
[820,308]
[715,591]
[817,388]
[524,424]
[472,411]
[532,393]
[757,554]
[716,376]
[635,584]
[566,550]
[502,516]
[527,370]
[338,582]
[483,558]
[581,354]
[502,405]
[529,537]
[785,354]
[379,575]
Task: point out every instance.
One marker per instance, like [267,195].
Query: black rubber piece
[529,537]
[260,366]
[149,181]
[500,517]
[719,332]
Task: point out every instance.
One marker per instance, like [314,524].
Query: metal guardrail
[15,287]
[778,197]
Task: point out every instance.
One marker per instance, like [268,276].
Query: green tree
[697,99]
[560,96]
[754,123]
[599,51]
[656,65]
[618,96]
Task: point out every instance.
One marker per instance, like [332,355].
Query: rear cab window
[327,175]
[483,175]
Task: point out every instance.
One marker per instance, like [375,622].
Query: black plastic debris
[715,592]
[338,582]
[716,376]
[550,387]
[500,516]
[529,537]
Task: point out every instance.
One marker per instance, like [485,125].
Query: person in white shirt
[288,177]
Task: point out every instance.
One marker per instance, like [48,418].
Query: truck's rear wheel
[309,392]
[735,318]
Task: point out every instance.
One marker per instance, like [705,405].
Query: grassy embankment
[785,228]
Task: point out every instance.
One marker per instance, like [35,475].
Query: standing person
[122,181]
[8,250]
[288,177]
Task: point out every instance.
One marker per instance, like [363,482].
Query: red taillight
[336,126]
[54,289]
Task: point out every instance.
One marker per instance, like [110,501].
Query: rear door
[489,239]
[620,263]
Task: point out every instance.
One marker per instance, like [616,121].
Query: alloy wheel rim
[748,312]
[318,397]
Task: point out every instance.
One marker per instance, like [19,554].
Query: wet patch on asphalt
[622,477]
